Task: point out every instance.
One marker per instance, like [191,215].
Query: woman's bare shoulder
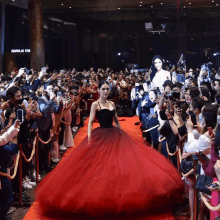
[111,102]
[94,104]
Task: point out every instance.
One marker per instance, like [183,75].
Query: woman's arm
[173,127]
[91,119]
[160,105]
[116,117]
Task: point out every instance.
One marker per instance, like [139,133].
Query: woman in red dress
[94,87]
[109,175]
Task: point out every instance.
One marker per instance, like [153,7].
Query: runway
[128,125]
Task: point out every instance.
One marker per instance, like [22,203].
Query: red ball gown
[113,177]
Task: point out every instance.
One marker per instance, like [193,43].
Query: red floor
[128,126]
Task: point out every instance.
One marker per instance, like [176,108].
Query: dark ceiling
[114,5]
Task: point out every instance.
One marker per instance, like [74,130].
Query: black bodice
[105,117]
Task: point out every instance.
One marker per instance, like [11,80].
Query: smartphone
[203,158]
[146,98]
[211,132]
[58,81]
[44,69]
[59,94]
[193,119]
[213,185]
[152,111]
[20,115]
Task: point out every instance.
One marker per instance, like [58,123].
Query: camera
[168,96]
[44,69]
[174,96]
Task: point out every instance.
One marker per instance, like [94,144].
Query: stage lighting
[148,26]
[163,26]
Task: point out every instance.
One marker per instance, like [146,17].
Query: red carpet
[128,126]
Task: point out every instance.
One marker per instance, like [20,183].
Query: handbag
[202,182]
[186,165]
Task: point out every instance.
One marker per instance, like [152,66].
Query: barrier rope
[66,123]
[44,142]
[32,153]
[187,174]
[208,205]
[171,154]
[151,128]
[162,139]
[180,155]
[15,169]
[56,133]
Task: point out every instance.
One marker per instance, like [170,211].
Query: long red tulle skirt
[112,178]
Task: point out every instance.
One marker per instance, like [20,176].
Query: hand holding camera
[52,96]
[17,124]
[215,186]
[144,103]
[42,72]
[189,124]
[168,114]
[12,115]
[5,105]
[21,72]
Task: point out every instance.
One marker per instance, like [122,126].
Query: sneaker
[34,177]
[12,209]
[26,185]
[30,182]
[74,130]
[62,147]
[55,160]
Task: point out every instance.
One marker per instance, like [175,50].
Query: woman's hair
[153,68]
[194,81]
[209,113]
[217,139]
[217,98]
[101,83]
[178,85]
[207,85]
[194,92]
[205,92]
[99,77]
[168,83]
[11,91]
[154,91]
[197,103]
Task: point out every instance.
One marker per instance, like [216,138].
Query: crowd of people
[175,103]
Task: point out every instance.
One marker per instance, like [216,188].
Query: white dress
[159,79]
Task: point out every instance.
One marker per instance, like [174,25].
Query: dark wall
[97,37]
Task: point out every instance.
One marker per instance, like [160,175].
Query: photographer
[204,74]
[47,106]
[124,105]
[24,138]
[149,117]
